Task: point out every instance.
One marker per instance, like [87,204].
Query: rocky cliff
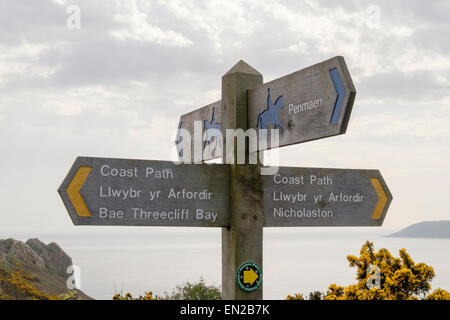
[34,270]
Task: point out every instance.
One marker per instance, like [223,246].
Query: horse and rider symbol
[271,115]
[212,135]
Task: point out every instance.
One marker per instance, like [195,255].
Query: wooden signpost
[309,104]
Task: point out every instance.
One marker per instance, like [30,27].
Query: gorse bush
[19,285]
[148,296]
[399,278]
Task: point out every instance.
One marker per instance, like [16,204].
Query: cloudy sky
[116,84]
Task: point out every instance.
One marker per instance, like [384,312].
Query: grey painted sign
[210,146]
[306,105]
[312,103]
[325,197]
[102,191]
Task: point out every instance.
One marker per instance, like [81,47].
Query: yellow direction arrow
[382,199]
[250,276]
[73,191]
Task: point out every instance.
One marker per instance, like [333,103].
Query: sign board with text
[309,104]
[306,105]
[103,191]
[298,197]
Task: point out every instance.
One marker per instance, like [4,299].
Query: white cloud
[225,22]
[75,101]
[136,27]
[60,2]
[23,60]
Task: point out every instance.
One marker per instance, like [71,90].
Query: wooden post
[243,240]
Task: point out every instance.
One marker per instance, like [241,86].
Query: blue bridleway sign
[309,104]
[313,103]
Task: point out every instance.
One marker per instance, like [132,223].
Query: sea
[295,260]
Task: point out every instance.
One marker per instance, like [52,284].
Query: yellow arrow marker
[382,198]
[250,276]
[73,191]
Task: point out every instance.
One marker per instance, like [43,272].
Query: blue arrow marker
[340,90]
